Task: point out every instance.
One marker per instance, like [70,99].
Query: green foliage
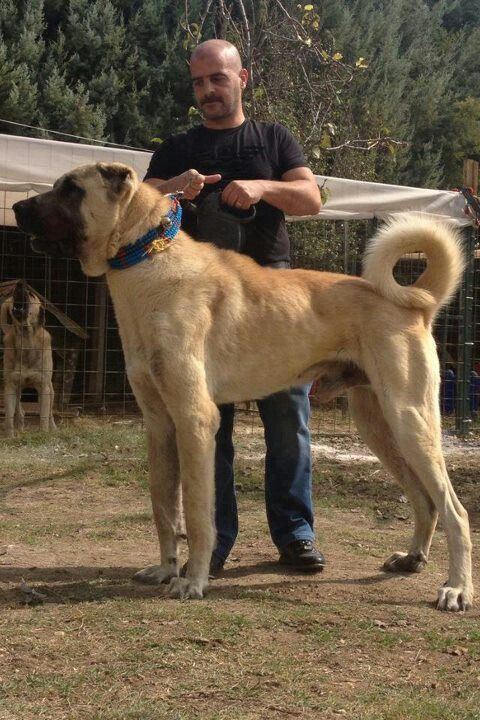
[339,73]
[415,54]
[460,130]
[69,108]
[99,68]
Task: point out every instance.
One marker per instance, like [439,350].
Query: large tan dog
[202,326]
[27,358]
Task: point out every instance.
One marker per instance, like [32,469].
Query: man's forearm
[293,197]
[190,182]
[167,186]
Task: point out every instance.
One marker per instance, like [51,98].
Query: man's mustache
[210,100]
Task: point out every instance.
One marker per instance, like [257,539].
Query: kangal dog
[202,326]
[27,358]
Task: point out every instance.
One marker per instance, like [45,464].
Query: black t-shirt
[252,151]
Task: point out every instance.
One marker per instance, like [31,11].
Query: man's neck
[224,123]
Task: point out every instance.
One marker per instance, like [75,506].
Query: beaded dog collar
[154,241]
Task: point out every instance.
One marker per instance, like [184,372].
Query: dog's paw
[184,588]
[155,575]
[401,562]
[454,599]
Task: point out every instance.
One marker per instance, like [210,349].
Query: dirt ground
[354,641]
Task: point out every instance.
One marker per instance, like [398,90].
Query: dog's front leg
[164,483]
[45,406]
[196,428]
[51,419]
[10,408]
[19,412]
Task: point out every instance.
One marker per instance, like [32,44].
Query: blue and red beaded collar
[154,241]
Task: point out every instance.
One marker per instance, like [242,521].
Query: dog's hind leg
[376,433]
[409,400]
[164,486]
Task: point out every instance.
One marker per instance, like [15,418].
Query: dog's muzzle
[27,216]
[42,241]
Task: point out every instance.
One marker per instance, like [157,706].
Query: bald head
[218,80]
[214,50]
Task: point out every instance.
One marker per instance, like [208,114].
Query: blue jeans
[288,479]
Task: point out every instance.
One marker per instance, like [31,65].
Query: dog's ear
[41,315]
[118,177]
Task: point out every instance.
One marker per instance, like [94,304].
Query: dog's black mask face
[21,302]
[53,219]
[26,309]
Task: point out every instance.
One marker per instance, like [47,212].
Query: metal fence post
[463,413]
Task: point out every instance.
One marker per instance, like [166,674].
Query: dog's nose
[20,209]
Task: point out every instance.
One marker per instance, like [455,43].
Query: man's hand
[242,194]
[192,182]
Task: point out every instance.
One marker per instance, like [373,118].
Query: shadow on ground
[78,584]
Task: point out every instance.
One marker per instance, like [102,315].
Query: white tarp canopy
[32,165]
[356,200]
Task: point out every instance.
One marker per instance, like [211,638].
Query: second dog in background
[27,359]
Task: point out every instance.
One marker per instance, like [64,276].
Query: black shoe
[216,567]
[302,555]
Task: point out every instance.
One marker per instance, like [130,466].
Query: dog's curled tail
[411,233]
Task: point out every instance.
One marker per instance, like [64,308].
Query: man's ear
[118,177]
[243,78]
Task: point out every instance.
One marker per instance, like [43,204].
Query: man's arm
[190,182]
[297,193]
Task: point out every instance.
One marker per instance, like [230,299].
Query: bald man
[249,164]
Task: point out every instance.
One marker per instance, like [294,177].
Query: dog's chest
[27,360]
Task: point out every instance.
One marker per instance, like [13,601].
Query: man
[251,164]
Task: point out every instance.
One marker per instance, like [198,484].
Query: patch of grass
[465,642]
[85,436]
[28,440]
[20,530]
[416,704]
[118,473]
[250,482]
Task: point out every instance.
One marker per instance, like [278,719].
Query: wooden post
[96,370]
[470,175]
[465,337]
[64,375]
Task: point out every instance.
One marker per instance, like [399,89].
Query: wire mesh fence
[88,366]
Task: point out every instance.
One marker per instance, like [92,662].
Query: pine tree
[68,109]
[21,47]
[161,77]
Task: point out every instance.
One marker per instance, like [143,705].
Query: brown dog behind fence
[27,358]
